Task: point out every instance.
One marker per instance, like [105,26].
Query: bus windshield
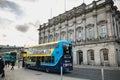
[67,50]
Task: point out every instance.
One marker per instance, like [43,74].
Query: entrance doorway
[79,57]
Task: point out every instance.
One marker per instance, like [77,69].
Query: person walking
[2,72]
[8,63]
[13,60]
[12,64]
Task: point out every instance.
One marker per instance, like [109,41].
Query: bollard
[61,72]
[102,73]
[18,64]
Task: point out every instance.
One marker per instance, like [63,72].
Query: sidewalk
[8,73]
[97,67]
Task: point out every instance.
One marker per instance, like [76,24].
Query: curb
[97,67]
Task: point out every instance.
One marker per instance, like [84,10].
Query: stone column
[66,25]
[115,27]
[74,24]
[95,19]
[109,19]
[84,29]
[119,25]
[60,32]
[95,25]
[44,36]
[112,56]
[97,57]
[85,57]
[40,34]
[118,29]
[48,34]
[39,37]
[74,56]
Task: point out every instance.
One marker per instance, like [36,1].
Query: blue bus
[6,57]
[9,57]
[49,57]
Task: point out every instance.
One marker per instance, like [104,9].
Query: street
[76,74]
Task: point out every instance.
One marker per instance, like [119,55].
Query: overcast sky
[20,19]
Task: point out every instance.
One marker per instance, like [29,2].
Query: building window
[41,40]
[103,31]
[79,35]
[56,38]
[92,55]
[63,37]
[51,38]
[90,33]
[45,39]
[105,55]
[71,36]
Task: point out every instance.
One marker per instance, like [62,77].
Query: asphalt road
[94,74]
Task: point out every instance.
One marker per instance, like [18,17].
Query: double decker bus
[49,57]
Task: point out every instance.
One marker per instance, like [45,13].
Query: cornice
[77,11]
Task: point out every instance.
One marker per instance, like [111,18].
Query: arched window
[46,40]
[91,52]
[105,55]
[41,40]
[71,36]
[79,35]
[63,35]
[90,33]
[103,31]
[56,37]
[51,38]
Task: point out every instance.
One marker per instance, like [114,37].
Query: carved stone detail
[102,21]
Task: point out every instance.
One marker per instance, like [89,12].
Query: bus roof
[45,44]
[42,44]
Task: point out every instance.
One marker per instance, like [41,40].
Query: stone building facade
[94,30]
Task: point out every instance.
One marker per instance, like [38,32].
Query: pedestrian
[8,63]
[13,60]
[12,64]
[2,72]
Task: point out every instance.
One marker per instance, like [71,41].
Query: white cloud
[6,14]
[35,11]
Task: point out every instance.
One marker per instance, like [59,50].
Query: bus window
[52,59]
[67,51]
[42,59]
[47,59]
[33,59]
